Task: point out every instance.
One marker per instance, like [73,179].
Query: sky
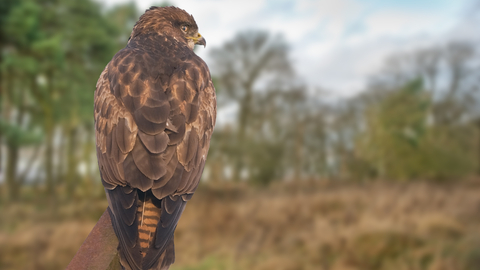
[335,45]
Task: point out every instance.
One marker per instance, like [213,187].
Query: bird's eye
[184,28]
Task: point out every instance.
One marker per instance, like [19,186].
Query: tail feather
[167,258]
[148,216]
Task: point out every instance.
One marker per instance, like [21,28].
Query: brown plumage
[155,110]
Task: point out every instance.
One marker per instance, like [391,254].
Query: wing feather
[155,144]
[151,165]
[153,125]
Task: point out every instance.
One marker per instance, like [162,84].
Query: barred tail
[148,216]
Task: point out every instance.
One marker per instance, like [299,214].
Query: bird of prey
[155,110]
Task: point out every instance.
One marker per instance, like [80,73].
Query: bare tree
[245,68]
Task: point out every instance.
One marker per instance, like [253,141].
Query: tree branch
[99,251]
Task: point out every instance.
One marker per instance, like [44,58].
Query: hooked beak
[198,40]
[201,41]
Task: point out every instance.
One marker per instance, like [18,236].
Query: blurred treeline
[418,119]
[52,54]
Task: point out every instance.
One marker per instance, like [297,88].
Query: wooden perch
[99,250]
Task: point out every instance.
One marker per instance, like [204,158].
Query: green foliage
[22,24]
[209,263]
[263,161]
[17,136]
[401,142]
[52,54]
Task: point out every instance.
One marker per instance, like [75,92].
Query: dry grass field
[316,226]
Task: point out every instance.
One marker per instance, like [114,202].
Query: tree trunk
[13,147]
[49,136]
[298,151]
[49,181]
[2,99]
[72,160]
[478,135]
[244,116]
[11,172]
[88,154]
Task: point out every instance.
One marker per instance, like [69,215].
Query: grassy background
[288,226]
[402,157]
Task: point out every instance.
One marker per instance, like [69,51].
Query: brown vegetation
[418,118]
[318,226]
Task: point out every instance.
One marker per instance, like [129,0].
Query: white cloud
[335,44]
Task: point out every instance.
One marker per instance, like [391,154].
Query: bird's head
[171,21]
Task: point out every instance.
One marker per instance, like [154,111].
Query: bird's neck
[157,42]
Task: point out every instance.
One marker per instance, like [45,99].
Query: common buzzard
[155,110]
